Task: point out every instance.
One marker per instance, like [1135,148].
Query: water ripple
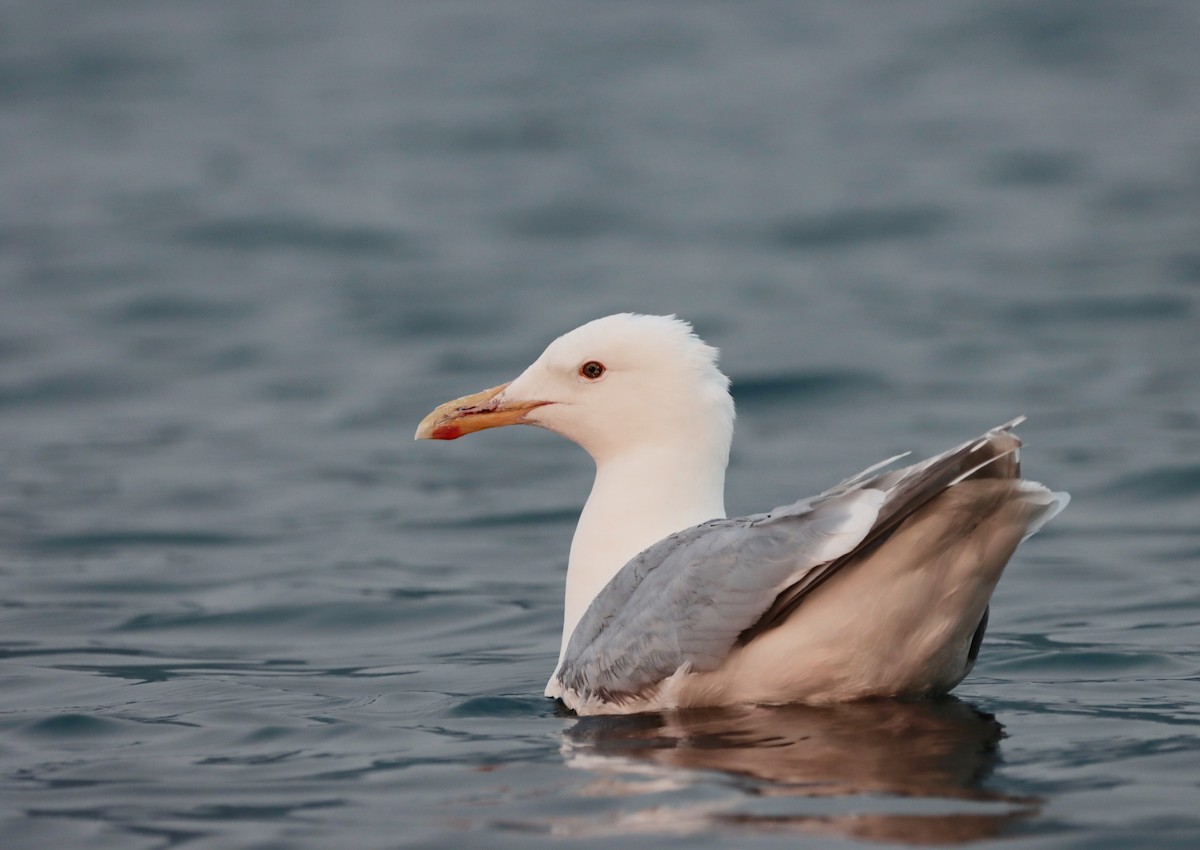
[848,228]
[803,386]
[1169,483]
[268,233]
[138,539]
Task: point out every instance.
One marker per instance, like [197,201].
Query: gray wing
[994,455]
[685,602]
[686,599]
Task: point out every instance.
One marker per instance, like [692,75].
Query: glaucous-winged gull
[876,587]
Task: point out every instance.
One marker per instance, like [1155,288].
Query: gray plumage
[687,601]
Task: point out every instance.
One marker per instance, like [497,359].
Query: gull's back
[878,587]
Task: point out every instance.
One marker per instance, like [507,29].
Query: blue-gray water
[244,247]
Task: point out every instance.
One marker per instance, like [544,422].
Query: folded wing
[688,600]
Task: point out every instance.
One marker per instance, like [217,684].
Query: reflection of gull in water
[889,771]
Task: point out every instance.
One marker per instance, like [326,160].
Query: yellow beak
[473,413]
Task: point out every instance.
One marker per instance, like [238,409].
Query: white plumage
[877,587]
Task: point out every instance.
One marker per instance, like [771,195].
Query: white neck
[639,497]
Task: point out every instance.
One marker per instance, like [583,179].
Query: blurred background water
[244,247]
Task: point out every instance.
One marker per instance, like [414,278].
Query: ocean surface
[245,247]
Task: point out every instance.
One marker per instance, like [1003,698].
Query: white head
[621,382]
[644,397]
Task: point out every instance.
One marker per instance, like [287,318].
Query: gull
[877,587]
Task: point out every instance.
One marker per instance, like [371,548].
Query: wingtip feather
[1051,502]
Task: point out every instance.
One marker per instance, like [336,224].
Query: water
[245,247]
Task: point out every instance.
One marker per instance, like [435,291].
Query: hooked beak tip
[472,413]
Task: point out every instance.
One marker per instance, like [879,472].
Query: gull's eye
[591,370]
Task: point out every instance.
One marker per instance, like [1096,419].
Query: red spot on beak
[447,431]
